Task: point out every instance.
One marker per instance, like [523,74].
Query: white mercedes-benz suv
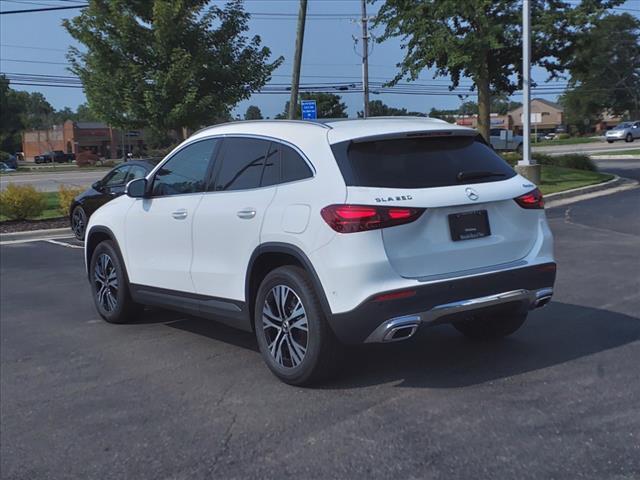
[318,235]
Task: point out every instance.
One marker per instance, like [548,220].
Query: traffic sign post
[309,110]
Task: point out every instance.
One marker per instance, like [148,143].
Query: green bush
[19,202]
[4,156]
[577,161]
[562,136]
[572,160]
[65,197]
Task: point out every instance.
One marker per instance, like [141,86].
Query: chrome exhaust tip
[400,333]
[395,329]
[543,297]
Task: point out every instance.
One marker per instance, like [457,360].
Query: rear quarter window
[419,162]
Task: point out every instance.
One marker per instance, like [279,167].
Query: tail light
[360,218]
[531,200]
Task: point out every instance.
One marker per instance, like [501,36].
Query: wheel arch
[269,256]
[93,238]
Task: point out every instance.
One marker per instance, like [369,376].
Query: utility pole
[365,59]
[297,61]
[526,167]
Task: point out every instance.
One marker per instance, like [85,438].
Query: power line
[46,9]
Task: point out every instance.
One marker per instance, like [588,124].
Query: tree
[166,64]
[482,40]
[501,104]
[377,108]
[328,105]
[37,111]
[11,117]
[253,113]
[469,108]
[605,72]
[446,115]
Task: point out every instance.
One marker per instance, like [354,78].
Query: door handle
[180,214]
[247,214]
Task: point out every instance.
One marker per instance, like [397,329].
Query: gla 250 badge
[393,199]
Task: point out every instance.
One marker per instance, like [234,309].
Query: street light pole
[526,82]
[527,167]
[365,59]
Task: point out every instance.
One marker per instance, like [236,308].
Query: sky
[36,43]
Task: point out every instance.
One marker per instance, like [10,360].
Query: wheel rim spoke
[285,326]
[106,283]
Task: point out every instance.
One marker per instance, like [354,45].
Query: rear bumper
[445,301]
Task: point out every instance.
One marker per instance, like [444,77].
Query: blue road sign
[309,111]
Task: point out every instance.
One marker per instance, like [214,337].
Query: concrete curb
[31,235]
[574,192]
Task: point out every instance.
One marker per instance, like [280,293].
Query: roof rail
[269,120]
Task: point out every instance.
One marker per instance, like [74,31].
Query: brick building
[74,137]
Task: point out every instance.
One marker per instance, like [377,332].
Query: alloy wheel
[284,322]
[105,278]
[77,223]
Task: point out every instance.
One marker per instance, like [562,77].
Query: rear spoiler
[420,134]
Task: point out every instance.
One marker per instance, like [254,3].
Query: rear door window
[241,163]
[420,162]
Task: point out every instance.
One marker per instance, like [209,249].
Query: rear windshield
[420,162]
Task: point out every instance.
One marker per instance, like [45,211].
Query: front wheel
[629,138]
[293,334]
[609,141]
[491,326]
[78,222]
[109,285]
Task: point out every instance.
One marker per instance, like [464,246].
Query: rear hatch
[470,221]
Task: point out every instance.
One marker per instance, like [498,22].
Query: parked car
[317,235]
[57,156]
[4,168]
[11,161]
[502,140]
[105,190]
[627,131]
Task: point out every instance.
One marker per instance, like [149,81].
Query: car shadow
[440,357]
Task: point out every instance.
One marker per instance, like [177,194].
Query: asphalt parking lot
[176,397]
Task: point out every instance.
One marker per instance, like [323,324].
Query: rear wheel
[489,326]
[110,287]
[629,138]
[293,334]
[609,141]
[78,222]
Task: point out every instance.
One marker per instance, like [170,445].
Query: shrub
[19,202]
[562,136]
[572,160]
[4,156]
[65,197]
[511,157]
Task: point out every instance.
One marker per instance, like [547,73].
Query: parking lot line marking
[29,240]
[63,244]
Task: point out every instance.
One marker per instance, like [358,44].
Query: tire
[492,326]
[628,138]
[609,141]
[295,356]
[78,222]
[519,149]
[113,302]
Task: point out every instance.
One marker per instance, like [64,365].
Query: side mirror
[136,188]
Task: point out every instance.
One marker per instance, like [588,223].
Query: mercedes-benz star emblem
[472,194]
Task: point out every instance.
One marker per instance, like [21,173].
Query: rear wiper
[478,174]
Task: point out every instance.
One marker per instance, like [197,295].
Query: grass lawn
[557,179]
[50,211]
[565,141]
[635,151]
